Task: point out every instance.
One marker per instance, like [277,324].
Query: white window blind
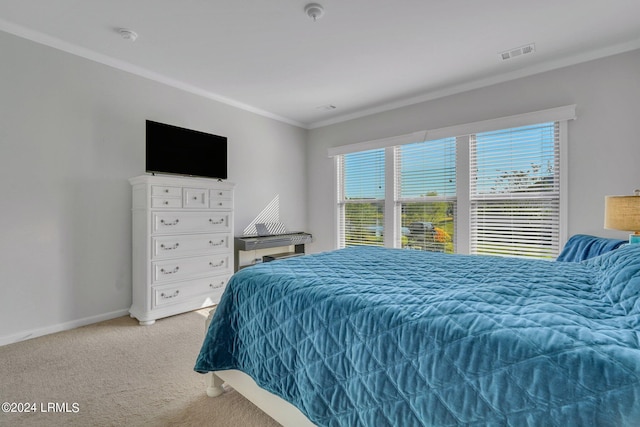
[361,194]
[426,191]
[515,191]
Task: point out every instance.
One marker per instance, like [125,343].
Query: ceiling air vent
[519,51]
[327,107]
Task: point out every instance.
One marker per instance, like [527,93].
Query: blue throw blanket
[389,337]
[582,246]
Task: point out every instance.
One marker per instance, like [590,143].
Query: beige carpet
[117,373]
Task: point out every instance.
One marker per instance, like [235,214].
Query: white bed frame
[274,406]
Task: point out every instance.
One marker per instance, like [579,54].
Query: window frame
[401,200]
[461,132]
[343,201]
[529,230]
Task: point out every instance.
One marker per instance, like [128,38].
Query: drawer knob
[173,295]
[163,222]
[220,221]
[166,190]
[175,270]
[220,264]
[218,286]
[216,244]
[195,198]
[166,202]
[169,248]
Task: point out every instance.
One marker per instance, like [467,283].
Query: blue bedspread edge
[583,246]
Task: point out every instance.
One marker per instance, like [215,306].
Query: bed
[370,336]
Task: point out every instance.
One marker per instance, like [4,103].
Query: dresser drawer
[188,222]
[217,285]
[164,202]
[221,204]
[185,245]
[196,198]
[185,268]
[211,288]
[220,199]
[157,190]
[220,194]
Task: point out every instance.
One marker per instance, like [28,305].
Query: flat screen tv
[175,150]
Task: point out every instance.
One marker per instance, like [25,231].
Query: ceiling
[362,56]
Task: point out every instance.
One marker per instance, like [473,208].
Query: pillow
[582,246]
[619,277]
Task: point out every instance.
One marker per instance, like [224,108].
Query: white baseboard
[33,333]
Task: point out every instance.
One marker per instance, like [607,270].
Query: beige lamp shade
[622,212]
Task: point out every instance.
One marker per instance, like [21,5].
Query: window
[492,187]
[515,191]
[426,188]
[361,198]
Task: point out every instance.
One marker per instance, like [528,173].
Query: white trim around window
[558,114]
[392,202]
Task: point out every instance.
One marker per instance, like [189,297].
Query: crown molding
[73,49]
[480,83]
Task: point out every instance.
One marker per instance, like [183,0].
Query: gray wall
[71,134]
[603,152]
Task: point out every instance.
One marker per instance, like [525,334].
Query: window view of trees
[533,179]
[364,224]
[427,194]
[363,192]
[428,226]
[521,228]
[515,187]
[425,226]
[512,193]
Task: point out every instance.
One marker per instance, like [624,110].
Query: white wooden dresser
[182,244]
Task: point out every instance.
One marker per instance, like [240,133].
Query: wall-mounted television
[175,150]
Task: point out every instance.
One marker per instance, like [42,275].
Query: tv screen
[176,150]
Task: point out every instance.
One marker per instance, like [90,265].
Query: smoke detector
[518,51]
[128,34]
[314,11]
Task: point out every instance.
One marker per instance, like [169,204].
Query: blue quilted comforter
[389,337]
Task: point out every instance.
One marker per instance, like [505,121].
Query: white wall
[604,142]
[71,134]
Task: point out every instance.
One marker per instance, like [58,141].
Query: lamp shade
[622,212]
